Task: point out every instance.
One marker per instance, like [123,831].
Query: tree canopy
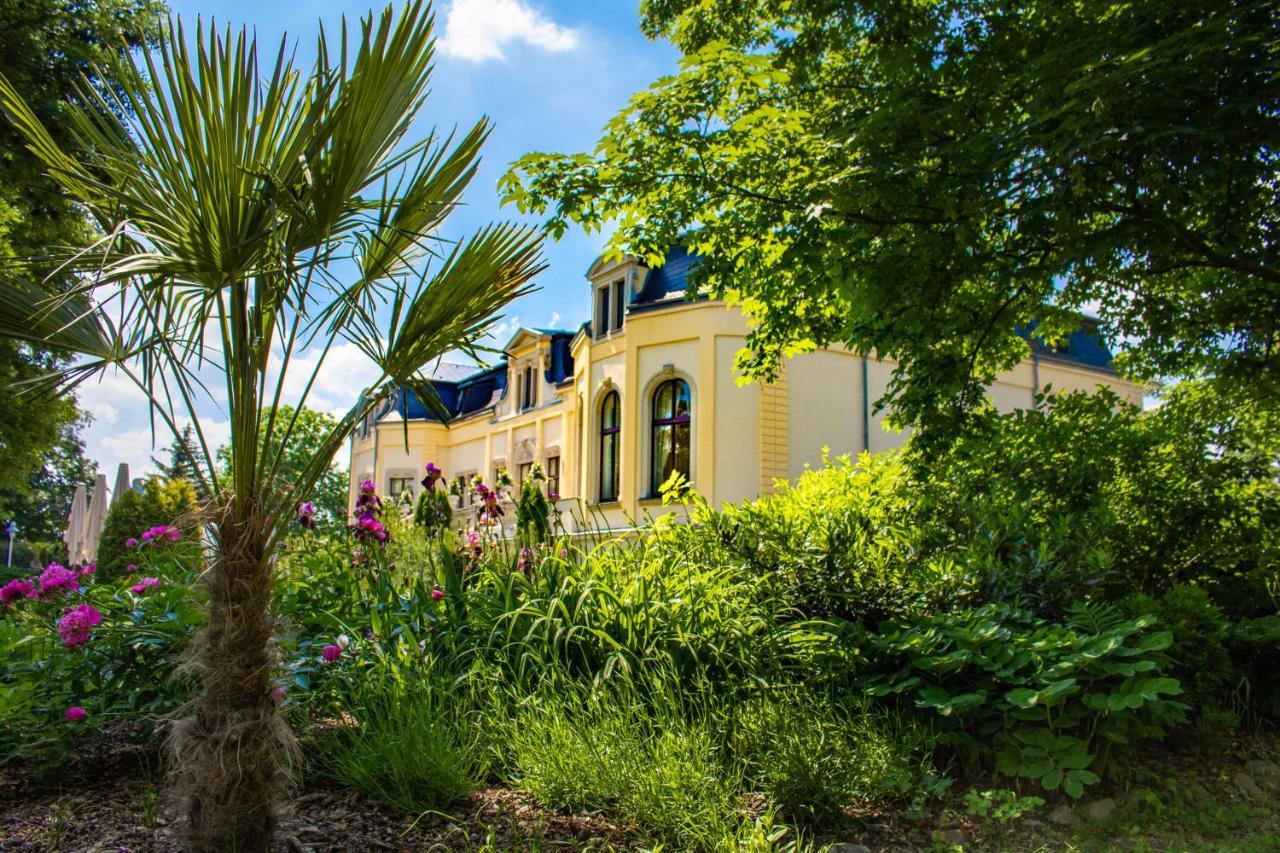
[921,180]
[49,47]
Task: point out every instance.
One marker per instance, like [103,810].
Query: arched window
[610,429]
[669,448]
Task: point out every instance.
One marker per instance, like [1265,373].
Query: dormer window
[528,388]
[611,306]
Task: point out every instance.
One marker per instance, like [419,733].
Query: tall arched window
[669,448]
[610,430]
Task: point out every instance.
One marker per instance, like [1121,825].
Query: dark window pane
[681,452]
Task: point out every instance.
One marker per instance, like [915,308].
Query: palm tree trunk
[230,755]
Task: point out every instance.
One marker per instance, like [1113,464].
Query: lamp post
[11,529]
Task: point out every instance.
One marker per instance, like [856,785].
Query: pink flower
[526,559]
[368,527]
[331,653]
[473,542]
[307,515]
[16,589]
[131,543]
[279,693]
[57,577]
[160,534]
[143,585]
[437,594]
[74,625]
[131,567]
[88,569]
[76,714]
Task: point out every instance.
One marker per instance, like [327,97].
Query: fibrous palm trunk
[231,754]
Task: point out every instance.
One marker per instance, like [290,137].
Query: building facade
[648,387]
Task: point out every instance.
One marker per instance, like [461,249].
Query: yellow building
[648,387]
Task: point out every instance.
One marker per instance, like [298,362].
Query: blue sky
[547,73]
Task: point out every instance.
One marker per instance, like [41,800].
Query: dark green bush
[1198,654]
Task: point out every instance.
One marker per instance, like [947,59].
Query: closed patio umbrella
[74,535]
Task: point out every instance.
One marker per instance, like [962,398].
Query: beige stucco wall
[743,435]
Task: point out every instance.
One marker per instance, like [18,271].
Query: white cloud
[477,30]
[345,373]
[554,322]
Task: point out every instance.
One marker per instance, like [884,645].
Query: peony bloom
[131,543]
[57,577]
[331,653]
[88,569]
[143,585]
[76,714]
[437,594]
[15,589]
[74,625]
[160,534]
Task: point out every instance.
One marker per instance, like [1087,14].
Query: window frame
[551,467]
[672,424]
[609,433]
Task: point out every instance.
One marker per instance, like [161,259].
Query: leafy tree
[920,179]
[48,47]
[268,211]
[39,505]
[310,428]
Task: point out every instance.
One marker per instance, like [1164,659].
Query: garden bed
[1219,795]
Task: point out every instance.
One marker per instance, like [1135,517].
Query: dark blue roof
[668,281]
[464,395]
[1083,346]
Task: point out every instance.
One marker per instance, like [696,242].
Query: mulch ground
[113,803]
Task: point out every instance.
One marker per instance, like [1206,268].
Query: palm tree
[247,217]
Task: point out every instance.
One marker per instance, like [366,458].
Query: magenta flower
[473,542]
[15,589]
[437,594]
[131,543]
[367,526]
[331,653]
[75,624]
[434,475]
[131,567]
[76,714]
[143,585]
[57,577]
[88,569]
[307,515]
[160,534]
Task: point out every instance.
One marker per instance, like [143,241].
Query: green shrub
[128,667]
[1198,653]
[1043,700]
[171,502]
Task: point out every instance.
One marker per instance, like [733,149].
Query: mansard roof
[466,390]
